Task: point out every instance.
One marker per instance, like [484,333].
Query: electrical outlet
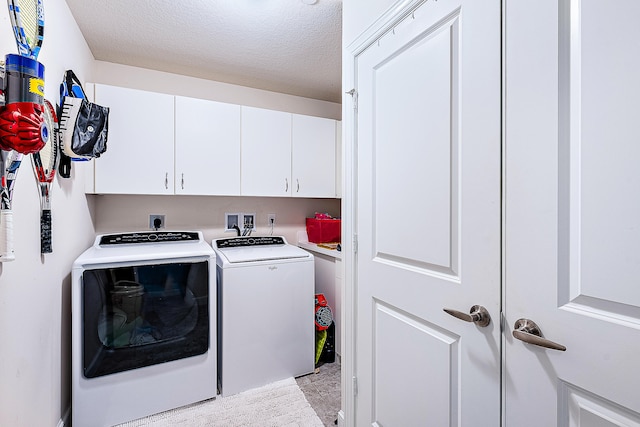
[156,222]
[271,219]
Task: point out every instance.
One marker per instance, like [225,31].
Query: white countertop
[303,242]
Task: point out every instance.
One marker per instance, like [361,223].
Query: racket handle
[7,252]
[45,232]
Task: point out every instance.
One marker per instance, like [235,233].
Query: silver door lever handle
[477,314]
[526,330]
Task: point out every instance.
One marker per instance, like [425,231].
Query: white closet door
[428,219]
[572,211]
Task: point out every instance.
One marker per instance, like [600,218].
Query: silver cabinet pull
[526,330]
[166,181]
[477,314]
[298,182]
[286,185]
[182,181]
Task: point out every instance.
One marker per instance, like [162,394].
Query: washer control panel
[236,242]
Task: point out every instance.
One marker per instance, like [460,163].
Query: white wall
[131,213]
[173,84]
[35,290]
[358,15]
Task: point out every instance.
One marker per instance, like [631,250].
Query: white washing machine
[266,329]
[143,326]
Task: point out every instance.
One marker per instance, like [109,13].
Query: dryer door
[142,315]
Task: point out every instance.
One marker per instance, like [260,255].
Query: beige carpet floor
[280,404]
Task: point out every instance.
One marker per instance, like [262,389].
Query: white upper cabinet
[207,153]
[266,152]
[313,166]
[165,144]
[286,154]
[139,156]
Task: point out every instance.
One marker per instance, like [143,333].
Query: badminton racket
[27,20]
[44,164]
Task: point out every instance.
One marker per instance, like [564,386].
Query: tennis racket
[10,163]
[27,20]
[44,164]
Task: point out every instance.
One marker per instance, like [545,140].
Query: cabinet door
[266,152]
[314,157]
[207,147]
[139,156]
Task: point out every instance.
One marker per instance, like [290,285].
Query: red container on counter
[323,230]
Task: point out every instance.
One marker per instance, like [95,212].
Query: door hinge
[354,384]
[355,243]
[354,95]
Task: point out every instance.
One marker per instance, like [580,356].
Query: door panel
[401,374]
[600,153]
[423,146]
[587,410]
[428,218]
[572,228]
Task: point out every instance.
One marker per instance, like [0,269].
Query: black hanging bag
[83,125]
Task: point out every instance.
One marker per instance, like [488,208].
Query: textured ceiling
[286,46]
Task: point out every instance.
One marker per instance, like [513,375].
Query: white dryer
[266,328]
[143,326]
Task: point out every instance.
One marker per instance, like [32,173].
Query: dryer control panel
[150,237]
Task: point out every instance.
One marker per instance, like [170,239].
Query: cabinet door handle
[166,181]
[286,185]
[182,181]
[298,182]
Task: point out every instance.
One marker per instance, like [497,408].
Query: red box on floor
[323,230]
